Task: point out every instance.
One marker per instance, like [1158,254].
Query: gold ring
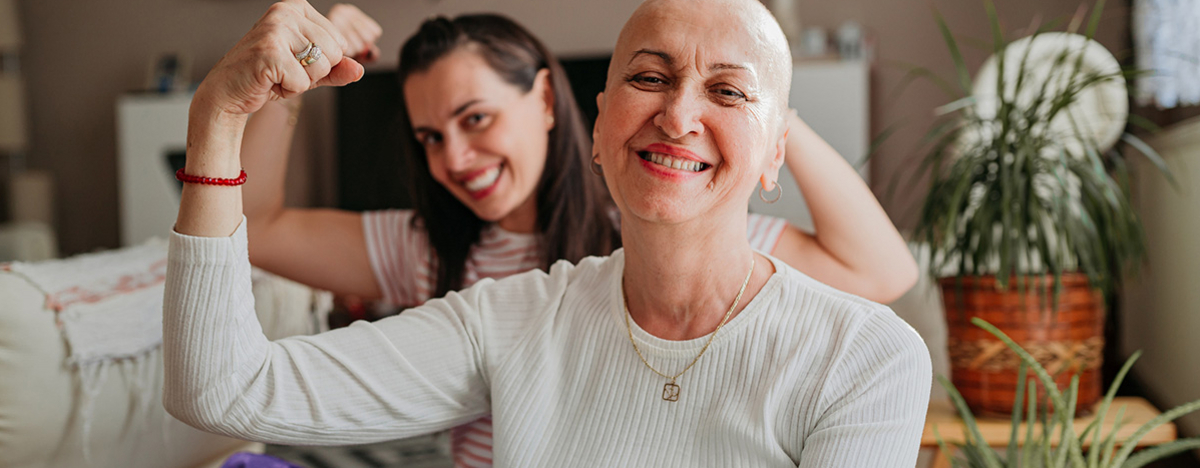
[305,52]
[310,54]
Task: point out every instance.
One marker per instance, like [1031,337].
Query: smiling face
[692,114]
[484,138]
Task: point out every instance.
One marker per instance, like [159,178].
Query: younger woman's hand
[264,64]
[361,32]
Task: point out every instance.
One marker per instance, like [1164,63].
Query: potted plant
[1035,448]
[1028,218]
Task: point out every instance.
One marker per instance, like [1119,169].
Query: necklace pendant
[670,392]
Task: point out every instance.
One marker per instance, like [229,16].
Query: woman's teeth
[673,163]
[483,180]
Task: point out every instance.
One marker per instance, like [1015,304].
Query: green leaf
[1161,451]
[964,78]
[1171,415]
[1107,448]
[1030,419]
[1105,403]
[1023,68]
[942,447]
[1143,123]
[954,106]
[1097,10]
[998,45]
[878,141]
[1152,155]
[976,438]
[1068,443]
[912,74]
[1076,20]
[1011,453]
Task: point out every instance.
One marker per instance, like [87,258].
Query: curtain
[1166,36]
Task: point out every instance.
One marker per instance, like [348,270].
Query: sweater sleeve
[414,373]
[876,399]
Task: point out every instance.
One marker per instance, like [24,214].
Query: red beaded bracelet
[191,179]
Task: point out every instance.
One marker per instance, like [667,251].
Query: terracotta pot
[1065,341]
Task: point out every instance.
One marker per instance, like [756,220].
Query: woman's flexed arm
[319,247]
[270,130]
[855,247]
[262,65]
[220,372]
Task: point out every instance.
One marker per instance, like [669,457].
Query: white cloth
[107,306]
[805,376]
[108,303]
[1166,36]
[80,369]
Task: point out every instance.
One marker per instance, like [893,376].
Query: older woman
[686,348]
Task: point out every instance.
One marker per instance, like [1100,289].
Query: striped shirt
[400,258]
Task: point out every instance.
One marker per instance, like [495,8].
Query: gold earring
[773,200]
[550,120]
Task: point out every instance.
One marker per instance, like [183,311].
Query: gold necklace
[671,389]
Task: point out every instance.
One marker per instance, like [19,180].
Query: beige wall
[81,55]
[1161,313]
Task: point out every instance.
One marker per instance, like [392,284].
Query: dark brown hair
[573,209]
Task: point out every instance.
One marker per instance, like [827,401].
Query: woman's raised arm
[855,246]
[260,66]
[323,248]
[221,373]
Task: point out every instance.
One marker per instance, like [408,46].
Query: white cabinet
[833,98]
[151,128]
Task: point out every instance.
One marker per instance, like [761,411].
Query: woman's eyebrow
[668,60]
[457,112]
[463,108]
[728,66]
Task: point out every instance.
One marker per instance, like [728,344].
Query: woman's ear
[542,81]
[771,173]
[596,126]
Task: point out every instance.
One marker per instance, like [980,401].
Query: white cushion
[43,406]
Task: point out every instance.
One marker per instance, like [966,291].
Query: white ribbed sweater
[804,376]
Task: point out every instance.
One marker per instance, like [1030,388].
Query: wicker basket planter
[1064,341]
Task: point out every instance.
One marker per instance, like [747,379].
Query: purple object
[255,460]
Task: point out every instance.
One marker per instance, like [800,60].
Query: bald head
[742,29]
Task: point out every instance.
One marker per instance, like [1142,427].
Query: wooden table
[941,414]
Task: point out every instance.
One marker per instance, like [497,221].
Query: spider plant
[1104,450]
[1009,197]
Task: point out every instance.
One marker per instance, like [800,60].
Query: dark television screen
[370,159]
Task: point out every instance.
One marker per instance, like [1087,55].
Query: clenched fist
[264,63]
[361,32]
